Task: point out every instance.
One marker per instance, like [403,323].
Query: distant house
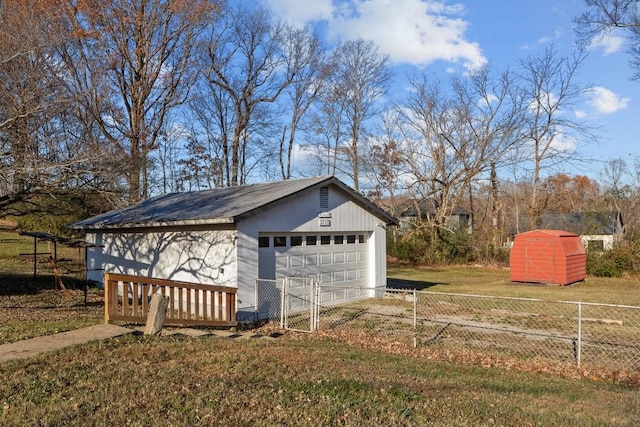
[410,211]
[597,230]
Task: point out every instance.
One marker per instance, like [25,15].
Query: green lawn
[496,282]
[16,246]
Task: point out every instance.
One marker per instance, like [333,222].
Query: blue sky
[452,37]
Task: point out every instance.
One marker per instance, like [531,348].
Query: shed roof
[217,206]
[557,233]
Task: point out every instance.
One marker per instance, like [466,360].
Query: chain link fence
[291,301]
[585,334]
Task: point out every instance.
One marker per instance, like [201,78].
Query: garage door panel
[338,258]
[352,293]
[338,276]
[352,275]
[296,261]
[352,256]
[326,277]
[281,261]
[325,259]
[311,259]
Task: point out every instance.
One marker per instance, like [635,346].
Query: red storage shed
[548,256]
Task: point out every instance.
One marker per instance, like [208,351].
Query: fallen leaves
[473,357]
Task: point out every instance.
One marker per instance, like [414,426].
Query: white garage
[314,227]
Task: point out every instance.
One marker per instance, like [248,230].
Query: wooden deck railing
[127,298]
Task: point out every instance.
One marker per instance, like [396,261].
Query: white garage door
[329,259]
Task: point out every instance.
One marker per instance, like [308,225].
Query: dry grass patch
[295,380]
[30,308]
[48,312]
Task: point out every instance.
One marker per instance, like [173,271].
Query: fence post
[579,346]
[256,315]
[312,292]
[415,318]
[107,298]
[317,301]
[283,300]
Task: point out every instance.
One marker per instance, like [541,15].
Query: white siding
[607,240]
[192,256]
[300,215]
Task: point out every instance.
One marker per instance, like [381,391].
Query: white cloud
[563,143]
[606,101]
[301,12]
[545,101]
[580,114]
[416,32]
[550,39]
[610,43]
[490,99]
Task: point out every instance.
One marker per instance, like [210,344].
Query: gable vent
[324,197]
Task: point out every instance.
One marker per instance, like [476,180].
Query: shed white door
[329,259]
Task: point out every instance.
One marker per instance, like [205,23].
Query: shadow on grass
[418,285]
[24,284]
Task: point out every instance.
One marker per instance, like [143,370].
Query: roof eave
[368,205]
[359,198]
[154,224]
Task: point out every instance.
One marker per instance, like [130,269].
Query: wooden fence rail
[127,298]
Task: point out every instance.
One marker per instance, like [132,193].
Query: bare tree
[431,129]
[384,162]
[305,53]
[614,174]
[621,189]
[604,17]
[246,67]
[168,155]
[492,118]
[41,146]
[358,84]
[548,91]
[130,64]
[328,131]
[456,139]
[213,123]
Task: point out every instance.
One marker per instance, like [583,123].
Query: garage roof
[217,206]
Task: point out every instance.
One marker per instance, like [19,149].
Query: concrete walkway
[33,346]
[37,345]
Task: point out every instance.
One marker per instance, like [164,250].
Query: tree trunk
[495,210]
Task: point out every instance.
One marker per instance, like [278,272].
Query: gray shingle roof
[581,223]
[215,206]
[405,206]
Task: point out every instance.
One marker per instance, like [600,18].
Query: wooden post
[57,277]
[157,314]
[107,297]
[35,258]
